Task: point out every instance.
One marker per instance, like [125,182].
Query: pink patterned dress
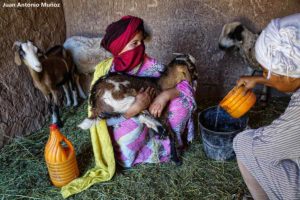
[134,143]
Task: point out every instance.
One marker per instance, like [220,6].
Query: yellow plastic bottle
[60,158]
[236,103]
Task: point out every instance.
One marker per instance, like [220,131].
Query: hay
[23,173]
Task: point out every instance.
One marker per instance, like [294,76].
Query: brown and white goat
[236,35]
[48,71]
[115,93]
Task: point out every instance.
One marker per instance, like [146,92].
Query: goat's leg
[265,95]
[67,93]
[74,92]
[48,100]
[80,90]
[174,155]
[152,123]
[55,115]
[163,132]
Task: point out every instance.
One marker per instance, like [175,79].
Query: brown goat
[114,94]
[48,72]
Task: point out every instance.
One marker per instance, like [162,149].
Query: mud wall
[191,26]
[22,107]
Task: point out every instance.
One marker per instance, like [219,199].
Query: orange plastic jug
[236,103]
[60,158]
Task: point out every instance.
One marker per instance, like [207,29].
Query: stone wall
[22,107]
[191,26]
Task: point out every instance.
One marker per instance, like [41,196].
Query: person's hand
[144,98]
[159,104]
[248,82]
[142,102]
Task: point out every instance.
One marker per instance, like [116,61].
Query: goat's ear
[40,52]
[16,46]
[17,58]
[237,33]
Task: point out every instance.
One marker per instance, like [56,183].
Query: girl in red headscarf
[133,142]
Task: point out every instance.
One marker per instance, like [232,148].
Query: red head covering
[117,36]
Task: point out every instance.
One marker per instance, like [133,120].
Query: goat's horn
[16,44]
[183,59]
[192,58]
[178,54]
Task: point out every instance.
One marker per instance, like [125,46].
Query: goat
[86,54]
[48,70]
[114,94]
[236,35]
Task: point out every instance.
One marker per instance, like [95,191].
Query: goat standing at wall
[236,35]
[48,71]
[115,93]
[86,53]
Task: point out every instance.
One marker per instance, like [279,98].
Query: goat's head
[185,65]
[27,53]
[231,35]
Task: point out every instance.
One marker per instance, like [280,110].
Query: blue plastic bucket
[217,140]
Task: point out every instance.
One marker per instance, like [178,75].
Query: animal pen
[190,27]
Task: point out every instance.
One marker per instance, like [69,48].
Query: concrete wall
[22,107]
[191,26]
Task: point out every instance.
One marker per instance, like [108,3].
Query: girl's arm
[142,102]
[161,101]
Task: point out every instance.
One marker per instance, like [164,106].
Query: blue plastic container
[217,140]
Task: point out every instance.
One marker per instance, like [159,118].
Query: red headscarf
[117,36]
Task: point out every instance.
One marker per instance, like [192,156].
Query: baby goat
[115,93]
[48,71]
[236,35]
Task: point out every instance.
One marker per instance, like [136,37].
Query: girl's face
[283,83]
[136,41]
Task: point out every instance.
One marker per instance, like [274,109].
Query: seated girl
[133,142]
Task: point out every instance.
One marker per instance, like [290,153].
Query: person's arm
[250,81]
[161,101]
[142,102]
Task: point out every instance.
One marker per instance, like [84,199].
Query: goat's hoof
[162,132]
[263,103]
[68,104]
[177,161]
[83,97]
[59,123]
[76,105]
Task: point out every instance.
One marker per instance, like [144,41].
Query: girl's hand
[159,104]
[142,102]
[144,98]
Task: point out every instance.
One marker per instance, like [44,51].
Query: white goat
[86,52]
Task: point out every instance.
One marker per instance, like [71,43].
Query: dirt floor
[23,172]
